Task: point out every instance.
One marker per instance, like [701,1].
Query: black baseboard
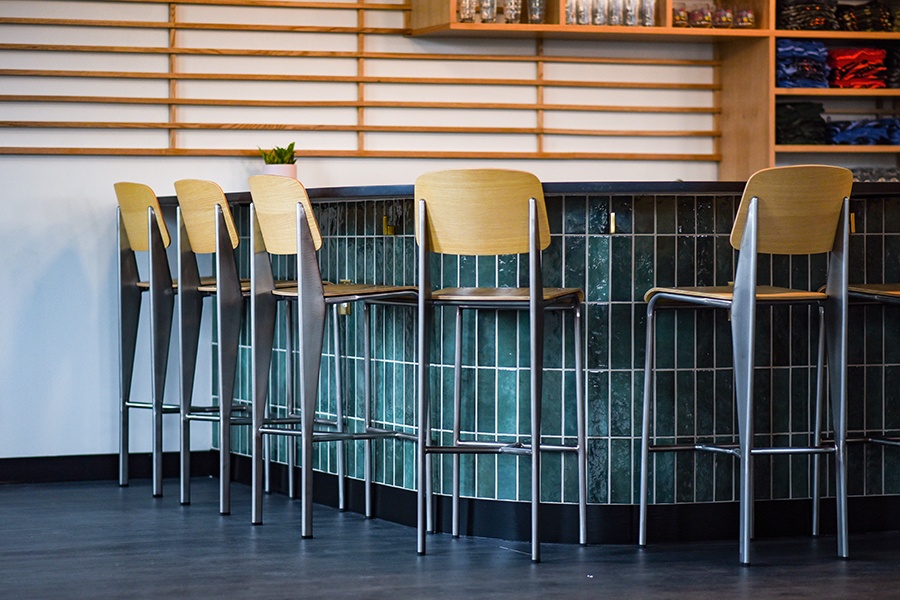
[102,467]
[607,523]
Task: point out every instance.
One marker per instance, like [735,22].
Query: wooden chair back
[275,198]
[480,211]
[197,199]
[134,200]
[799,208]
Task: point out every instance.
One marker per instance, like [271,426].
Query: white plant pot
[289,170]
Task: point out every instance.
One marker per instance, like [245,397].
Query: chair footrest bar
[167,408]
[884,441]
[325,436]
[280,431]
[797,450]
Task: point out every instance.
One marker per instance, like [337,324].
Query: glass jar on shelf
[679,15]
[466,10]
[512,11]
[648,13]
[600,12]
[700,17]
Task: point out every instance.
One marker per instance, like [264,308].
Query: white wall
[58,350]
[59,357]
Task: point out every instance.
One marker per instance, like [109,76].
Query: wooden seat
[786,210]
[142,228]
[490,212]
[282,223]
[206,226]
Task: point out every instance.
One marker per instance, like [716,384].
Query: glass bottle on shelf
[616,12]
[512,11]
[535,11]
[600,12]
[583,11]
[648,13]
[488,11]
[466,10]
[630,16]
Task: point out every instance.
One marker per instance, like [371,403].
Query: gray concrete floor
[96,540]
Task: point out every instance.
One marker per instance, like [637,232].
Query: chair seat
[764,293]
[346,292]
[876,289]
[145,285]
[208,285]
[502,294]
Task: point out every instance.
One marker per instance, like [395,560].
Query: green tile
[597,327]
[551,413]
[598,468]
[597,287]
[620,399]
[487,476]
[485,349]
[685,411]
[622,207]
[643,265]
[506,478]
[621,256]
[643,214]
[620,476]
[597,395]
[665,214]
[555,214]
[665,260]
[507,339]
[575,215]
[575,275]
[486,267]
[598,214]
[621,333]
[486,421]
[686,215]
[551,477]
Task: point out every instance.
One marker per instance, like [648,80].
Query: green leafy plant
[278,156]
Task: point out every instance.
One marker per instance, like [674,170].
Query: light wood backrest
[276,198]
[480,211]
[197,199]
[134,200]
[799,208]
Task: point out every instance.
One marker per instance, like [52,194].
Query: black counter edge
[606,188]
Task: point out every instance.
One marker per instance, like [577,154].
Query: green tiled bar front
[672,236]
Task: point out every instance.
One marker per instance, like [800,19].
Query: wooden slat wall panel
[223,77]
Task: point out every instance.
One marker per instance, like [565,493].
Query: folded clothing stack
[892,78]
[799,123]
[857,67]
[808,14]
[801,63]
[873,16]
[865,132]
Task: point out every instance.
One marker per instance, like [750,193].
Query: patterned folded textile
[864,132]
[857,67]
[808,14]
[874,16]
[801,63]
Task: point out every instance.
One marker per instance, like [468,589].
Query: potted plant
[279,161]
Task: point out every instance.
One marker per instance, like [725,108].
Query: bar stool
[142,228]
[282,223]
[491,212]
[206,226]
[784,210]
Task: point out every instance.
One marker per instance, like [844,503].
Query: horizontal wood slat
[540,113]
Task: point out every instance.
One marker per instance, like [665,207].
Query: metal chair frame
[312,298]
[161,292]
[228,293]
[742,306]
[535,304]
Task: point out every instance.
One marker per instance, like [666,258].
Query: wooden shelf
[840,92]
[659,34]
[836,149]
[746,96]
